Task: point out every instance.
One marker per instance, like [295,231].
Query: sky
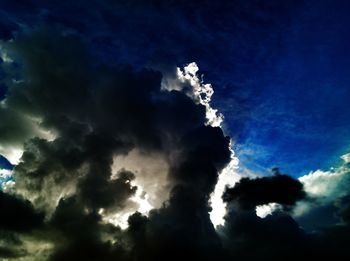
[151,130]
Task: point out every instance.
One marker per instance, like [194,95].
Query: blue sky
[300,120]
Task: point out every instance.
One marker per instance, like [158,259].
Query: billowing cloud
[100,115]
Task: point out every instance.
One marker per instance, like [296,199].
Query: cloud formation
[97,113]
[95,134]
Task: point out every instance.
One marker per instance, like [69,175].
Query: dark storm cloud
[249,193]
[18,214]
[97,112]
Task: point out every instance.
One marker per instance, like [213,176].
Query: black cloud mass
[76,113]
[280,189]
[96,113]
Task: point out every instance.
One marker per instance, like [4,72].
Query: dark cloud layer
[96,111]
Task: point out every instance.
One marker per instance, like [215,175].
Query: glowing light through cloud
[142,199]
[228,177]
[202,93]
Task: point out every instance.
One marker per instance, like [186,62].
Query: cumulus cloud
[101,115]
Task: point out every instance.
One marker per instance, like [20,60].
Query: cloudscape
[174,130]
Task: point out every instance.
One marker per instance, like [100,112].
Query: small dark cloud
[280,188]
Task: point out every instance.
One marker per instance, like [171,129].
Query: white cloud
[267,209]
[201,92]
[325,186]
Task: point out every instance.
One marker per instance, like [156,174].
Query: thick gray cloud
[99,112]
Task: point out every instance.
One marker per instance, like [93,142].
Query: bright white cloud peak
[201,93]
